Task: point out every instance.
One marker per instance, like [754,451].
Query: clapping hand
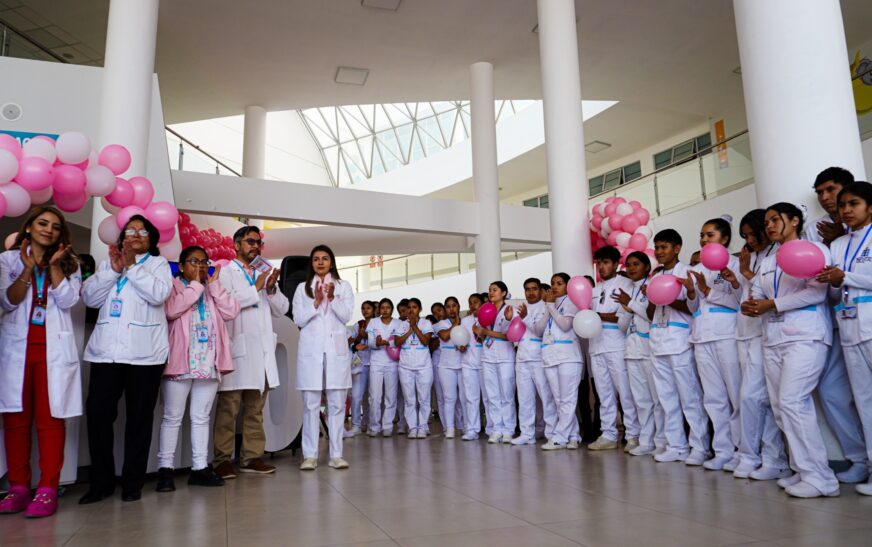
[621,297]
[214,277]
[27,258]
[62,252]
[522,311]
[115,259]
[271,280]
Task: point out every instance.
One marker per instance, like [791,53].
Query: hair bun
[804,210]
[727,217]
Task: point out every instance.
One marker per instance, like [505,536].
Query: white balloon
[645,231]
[623,239]
[601,209]
[587,324]
[108,230]
[8,166]
[605,229]
[459,336]
[41,148]
[99,180]
[624,209]
[41,196]
[171,249]
[17,199]
[108,207]
[73,147]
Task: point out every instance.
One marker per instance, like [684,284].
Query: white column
[798,96]
[125,110]
[564,137]
[488,263]
[254,147]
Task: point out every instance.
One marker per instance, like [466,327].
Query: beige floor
[441,493]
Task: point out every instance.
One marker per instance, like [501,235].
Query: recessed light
[392,5]
[350,75]
[596,146]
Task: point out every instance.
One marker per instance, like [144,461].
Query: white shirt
[132,324]
[636,324]
[853,254]
[715,315]
[811,229]
[559,345]
[471,358]
[611,338]
[363,354]
[670,328]
[750,327]
[498,350]
[375,328]
[530,346]
[450,357]
[414,354]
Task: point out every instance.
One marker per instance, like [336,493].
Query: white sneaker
[789,480]
[551,445]
[371,433]
[603,443]
[803,489]
[413,434]
[766,473]
[857,473]
[494,438]
[309,464]
[506,439]
[670,455]
[470,436]
[733,463]
[696,457]
[402,430]
[522,440]
[338,463]
[642,450]
[715,464]
[744,470]
[353,432]
[865,488]
[572,445]
[660,449]
[632,443]
[387,433]
[449,433]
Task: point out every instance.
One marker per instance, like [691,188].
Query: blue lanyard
[119,284]
[201,302]
[39,279]
[776,282]
[559,309]
[251,279]
[639,289]
[849,265]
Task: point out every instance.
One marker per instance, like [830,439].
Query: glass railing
[187,156]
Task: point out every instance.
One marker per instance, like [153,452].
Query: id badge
[489,342]
[115,307]
[38,317]
[662,324]
[776,317]
[413,341]
[202,333]
[548,339]
[632,328]
[848,312]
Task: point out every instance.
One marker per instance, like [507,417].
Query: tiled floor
[441,493]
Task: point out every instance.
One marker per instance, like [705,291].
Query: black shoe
[94,495]
[132,495]
[165,480]
[205,477]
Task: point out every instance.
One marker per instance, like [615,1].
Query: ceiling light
[596,146]
[351,76]
[392,5]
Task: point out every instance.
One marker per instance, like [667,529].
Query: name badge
[776,317]
[489,342]
[202,333]
[662,324]
[848,312]
[548,339]
[38,317]
[115,307]
[413,341]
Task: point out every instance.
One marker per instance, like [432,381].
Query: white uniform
[382,376]
[562,360]
[359,381]
[323,361]
[471,373]
[853,254]
[675,375]
[608,366]
[416,375]
[637,354]
[62,357]
[450,377]
[498,364]
[796,336]
[530,378]
[717,356]
[760,442]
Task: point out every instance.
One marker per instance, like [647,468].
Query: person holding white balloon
[449,369]
[797,333]
[383,377]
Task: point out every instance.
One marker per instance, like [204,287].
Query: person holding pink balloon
[714,302]
[850,280]
[449,369]
[498,364]
[471,372]
[797,334]
[383,379]
[675,375]
[607,363]
[416,369]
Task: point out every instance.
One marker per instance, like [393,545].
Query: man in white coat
[252,346]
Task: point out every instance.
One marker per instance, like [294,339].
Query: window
[682,152]
[632,171]
[533,202]
[662,159]
[538,201]
[596,185]
[543,201]
[612,180]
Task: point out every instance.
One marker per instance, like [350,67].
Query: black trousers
[588,409]
[140,385]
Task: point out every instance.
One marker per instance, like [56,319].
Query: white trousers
[499,383]
[531,381]
[472,394]
[760,440]
[721,379]
[451,380]
[651,417]
[613,383]
[680,395]
[175,396]
[563,379]
[417,382]
[312,423]
[401,407]
[440,396]
[859,363]
[383,381]
[359,401]
[837,404]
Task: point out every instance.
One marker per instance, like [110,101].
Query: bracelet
[19,280]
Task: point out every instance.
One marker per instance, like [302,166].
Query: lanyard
[848,265]
[559,310]
[638,289]
[201,303]
[119,284]
[665,309]
[251,279]
[39,281]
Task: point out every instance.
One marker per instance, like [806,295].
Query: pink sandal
[16,500]
[44,504]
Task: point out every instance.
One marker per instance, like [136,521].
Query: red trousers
[17,427]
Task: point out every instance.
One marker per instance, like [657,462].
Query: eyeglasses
[197,262]
[252,242]
[131,232]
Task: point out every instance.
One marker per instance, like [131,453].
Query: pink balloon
[222,262]
[163,215]
[123,216]
[184,218]
[487,314]
[10,240]
[115,157]
[610,199]
[630,223]
[143,191]
[612,239]
[663,289]
[619,200]
[643,215]
[99,181]
[122,195]
[600,208]
[68,180]
[624,254]
[580,292]
[17,199]
[610,209]
[714,256]
[635,205]
[10,143]
[798,258]
[34,173]
[596,219]
[167,235]
[41,196]
[108,230]
[70,203]
[600,242]
[2,206]
[615,221]
[392,350]
[516,330]
[108,207]
[638,242]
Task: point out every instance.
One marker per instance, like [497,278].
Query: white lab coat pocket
[100,341]
[237,347]
[143,340]
[340,343]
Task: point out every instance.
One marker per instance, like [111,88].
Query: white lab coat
[323,335]
[64,383]
[612,338]
[252,340]
[139,335]
[715,315]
